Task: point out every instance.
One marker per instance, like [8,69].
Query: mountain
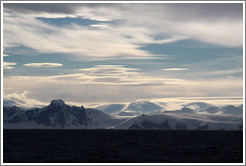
[241,106]
[13,114]
[174,121]
[212,110]
[197,105]
[184,110]
[229,109]
[57,115]
[111,108]
[99,119]
[140,107]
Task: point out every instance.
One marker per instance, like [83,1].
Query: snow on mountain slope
[111,108]
[140,107]
[174,121]
[183,110]
[229,109]
[13,114]
[99,119]
[126,123]
[57,115]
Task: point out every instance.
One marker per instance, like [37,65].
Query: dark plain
[122,146]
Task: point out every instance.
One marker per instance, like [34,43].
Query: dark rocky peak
[57,105]
[57,102]
[13,109]
[213,110]
[229,107]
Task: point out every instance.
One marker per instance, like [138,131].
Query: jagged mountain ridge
[228,110]
[142,107]
[58,115]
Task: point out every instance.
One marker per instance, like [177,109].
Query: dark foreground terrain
[122,146]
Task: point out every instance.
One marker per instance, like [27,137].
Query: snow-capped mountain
[13,114]
[99,119]
[57,115]
[140,107]
[174,121]
[229,109]
[111,108]
[183,110]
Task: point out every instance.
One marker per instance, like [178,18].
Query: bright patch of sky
[68,21]
[102,53]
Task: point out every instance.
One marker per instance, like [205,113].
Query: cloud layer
[21,100]
[43,65]
[8,65]
[126,32]
[109,52]
[115,83]
[175,69]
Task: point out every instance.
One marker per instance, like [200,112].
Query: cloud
[97,88]
[40,7]
[9,65]
[43,65]
[21,100]
[209,23]
[4,55]
[214,73]
[226,72]
[129,28]
[110,70]
[126,30]
[76,40]
[121,75]
[181,11]
[175,69]
[98,11]
[198,103]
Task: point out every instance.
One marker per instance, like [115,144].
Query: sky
[97,53]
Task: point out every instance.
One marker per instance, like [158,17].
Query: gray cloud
[179,11]
[40,7]
[43,64]
[65,8]
[206,11]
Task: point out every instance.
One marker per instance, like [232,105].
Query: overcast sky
[113,53]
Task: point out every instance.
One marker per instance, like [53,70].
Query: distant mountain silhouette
[140,107]
[58,115]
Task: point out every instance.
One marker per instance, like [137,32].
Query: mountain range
[58,115]
[143,107]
